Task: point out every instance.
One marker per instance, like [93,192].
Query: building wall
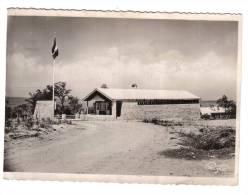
[43,109]
[131,110]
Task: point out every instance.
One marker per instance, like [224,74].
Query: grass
[198,154]
[31,128]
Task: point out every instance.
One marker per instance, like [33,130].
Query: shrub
[48,120]
[210,139]
[28,123]
[18,121]
[145,120]
[155,121]
[8,123]
[68,122]
[205,116]
[218,142]
[42,125]
[194,154]
[165,123]
[36,121]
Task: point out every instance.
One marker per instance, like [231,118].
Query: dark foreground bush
[162,122]
[218,142]
[210,139]
[196,154]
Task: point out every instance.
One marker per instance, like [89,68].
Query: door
[118,108]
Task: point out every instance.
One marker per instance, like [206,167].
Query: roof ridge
[142,89]
[132,93]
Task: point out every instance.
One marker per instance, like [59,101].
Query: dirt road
[105,147]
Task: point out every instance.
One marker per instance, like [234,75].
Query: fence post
[63,116]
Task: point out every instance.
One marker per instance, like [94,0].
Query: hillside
[207,103]
[15,101]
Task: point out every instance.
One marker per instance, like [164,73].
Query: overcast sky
[198,56]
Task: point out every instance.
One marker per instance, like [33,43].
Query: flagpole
[55,53]
[53,88]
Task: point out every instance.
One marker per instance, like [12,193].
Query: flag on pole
[55,49]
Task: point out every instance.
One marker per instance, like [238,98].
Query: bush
[36,121]
[155,121]
[42,125]
[68,122]
[165,123]
[145,120]
[28,123]
[218,142]
[48,120]
[205,116]
[8,123]
[59,121]
[210,139]
[194,154]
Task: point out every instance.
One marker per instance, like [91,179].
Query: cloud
[208,75]
[171,70]
[24,74]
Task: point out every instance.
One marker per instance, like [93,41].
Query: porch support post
[87,110]
[113,109]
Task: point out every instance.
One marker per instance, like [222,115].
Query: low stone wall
[131,110]
[89,117]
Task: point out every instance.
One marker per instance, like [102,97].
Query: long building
[143,103]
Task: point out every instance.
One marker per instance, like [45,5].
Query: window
[102,106]
[156,102]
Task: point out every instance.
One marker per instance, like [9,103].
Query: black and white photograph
[117,94]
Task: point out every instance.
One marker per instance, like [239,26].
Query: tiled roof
[143,94]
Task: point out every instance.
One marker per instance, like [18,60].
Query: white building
[143,103]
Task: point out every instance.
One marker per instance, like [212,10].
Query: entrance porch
[102,108]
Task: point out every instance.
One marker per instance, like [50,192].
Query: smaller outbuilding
[213,112]
[143,103]
[44,109]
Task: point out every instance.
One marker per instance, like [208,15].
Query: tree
[223,102]
[22,110]
[8,115]
[74,104]
[231,109]
[8,110]
[104,86]
[134,85]
[34,97]
[47,93]
[61,93]
[228,105]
